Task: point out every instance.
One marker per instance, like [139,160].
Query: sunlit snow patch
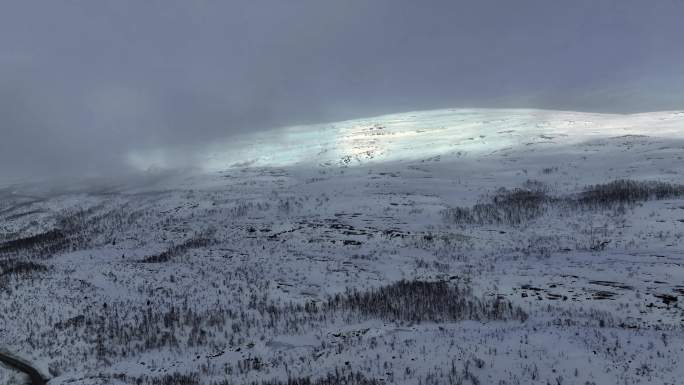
[411,136]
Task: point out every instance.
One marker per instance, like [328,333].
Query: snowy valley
[464,246]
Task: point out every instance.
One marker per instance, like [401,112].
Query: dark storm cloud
[85,82]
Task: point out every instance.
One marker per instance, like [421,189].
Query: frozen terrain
[440,247]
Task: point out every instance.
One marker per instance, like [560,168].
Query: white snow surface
[303,213]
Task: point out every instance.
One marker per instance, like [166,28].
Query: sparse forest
[357,273]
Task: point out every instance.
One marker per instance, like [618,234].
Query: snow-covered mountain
[414,136]
[438,247]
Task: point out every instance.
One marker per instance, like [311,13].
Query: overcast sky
[82,83]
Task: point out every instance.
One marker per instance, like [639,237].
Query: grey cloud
[85,82]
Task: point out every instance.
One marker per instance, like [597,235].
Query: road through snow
[14,363]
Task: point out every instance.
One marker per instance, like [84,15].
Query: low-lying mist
[92,89]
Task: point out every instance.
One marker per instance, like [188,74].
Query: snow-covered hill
[523,261]
[417,135]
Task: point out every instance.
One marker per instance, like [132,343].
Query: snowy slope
[201,273]
[418,135]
